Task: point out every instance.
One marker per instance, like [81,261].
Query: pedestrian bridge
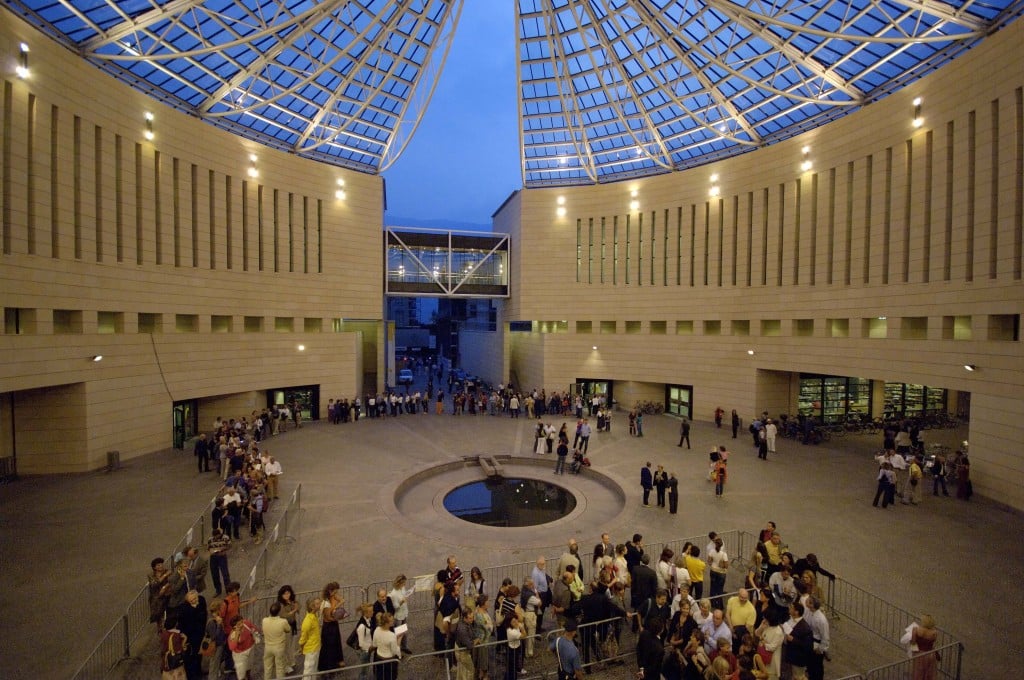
[449,264]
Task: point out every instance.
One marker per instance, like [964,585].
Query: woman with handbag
[332,611]
[243,637]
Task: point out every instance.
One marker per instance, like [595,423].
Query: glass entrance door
[185,422]
[679,400]
[307,399]
[589,388]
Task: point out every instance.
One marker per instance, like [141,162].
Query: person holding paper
[399,595]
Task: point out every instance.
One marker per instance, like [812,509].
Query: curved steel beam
[670,38]
[398,140]
[324,9]
[858,37]
[791,53]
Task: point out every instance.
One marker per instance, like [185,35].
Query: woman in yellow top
[309,638]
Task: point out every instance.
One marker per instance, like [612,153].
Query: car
[405,377]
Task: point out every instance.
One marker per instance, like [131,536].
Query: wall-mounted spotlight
[918,120]
[301,348]
[806,164]
[715,190]
[634,204]
[750,352]
[339,193]
[560,210]
[594,348]
[22,68]
[96,358]
[253,172]
[148,133]
[970,368]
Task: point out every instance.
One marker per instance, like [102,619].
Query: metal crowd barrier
[116,645]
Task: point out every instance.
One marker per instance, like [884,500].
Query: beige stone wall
[193,278]
[922,226]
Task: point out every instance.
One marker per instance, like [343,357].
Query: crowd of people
[772,626]
[190,627]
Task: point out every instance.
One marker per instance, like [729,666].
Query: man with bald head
[740,615]
[571,557]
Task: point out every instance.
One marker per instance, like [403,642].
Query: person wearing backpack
[172,650]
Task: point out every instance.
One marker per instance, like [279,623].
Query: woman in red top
[243,637]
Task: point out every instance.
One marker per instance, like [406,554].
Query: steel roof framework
[608,89]
[342,81]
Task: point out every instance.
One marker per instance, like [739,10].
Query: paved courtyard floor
[75,549]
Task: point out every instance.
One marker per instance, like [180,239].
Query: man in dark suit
[799,647]
[647,483]
[198,568]
[645,584]
[596,606]
[202,453]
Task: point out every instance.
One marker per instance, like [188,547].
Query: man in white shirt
[540,583]
[273,470]
[771,430]
[899,466]
[818,622]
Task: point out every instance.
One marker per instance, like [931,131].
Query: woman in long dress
[925,663]
[331,653]
[539,438]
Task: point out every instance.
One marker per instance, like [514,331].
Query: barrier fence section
[116,645]
[884,619]
[948,659]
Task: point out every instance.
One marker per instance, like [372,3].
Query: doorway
[306,397]
[185,422]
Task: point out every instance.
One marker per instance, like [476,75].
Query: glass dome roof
[608,89]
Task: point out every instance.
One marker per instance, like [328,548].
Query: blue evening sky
[463,161]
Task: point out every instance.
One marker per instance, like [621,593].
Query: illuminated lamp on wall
[806,164]
[22,68]
[148,132]
[715,190]
[339,193]
[253,172]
